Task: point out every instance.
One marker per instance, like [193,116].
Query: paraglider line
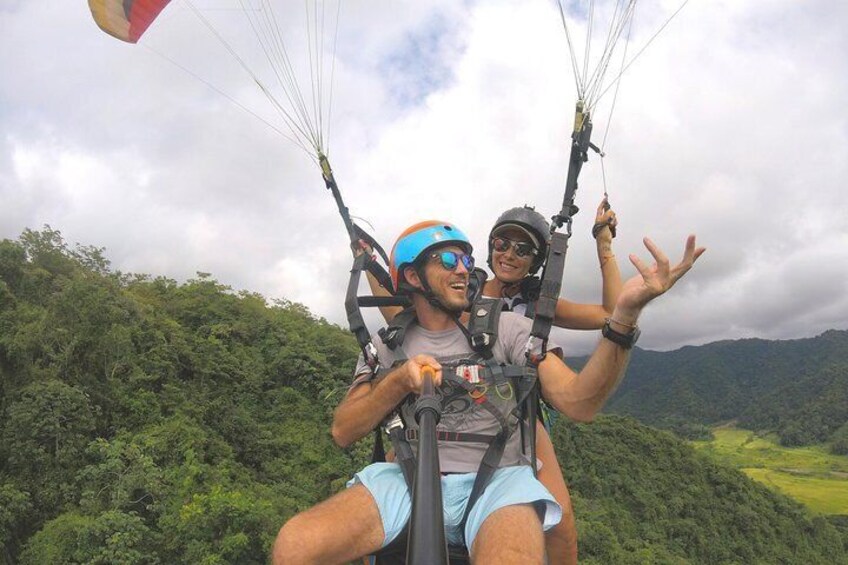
[633,60]
[227,96]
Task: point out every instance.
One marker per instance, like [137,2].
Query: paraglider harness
[506,393]
[517,383]
[481,334]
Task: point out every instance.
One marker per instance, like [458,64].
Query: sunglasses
[450,260]
[521,248]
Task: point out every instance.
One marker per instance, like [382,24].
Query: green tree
[112,537]
[222,526]
[15,507]
[47,428]
[839,440]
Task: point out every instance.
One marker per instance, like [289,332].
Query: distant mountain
[798,388]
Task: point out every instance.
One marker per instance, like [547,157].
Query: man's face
[450,286]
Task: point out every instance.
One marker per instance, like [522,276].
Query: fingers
[690,255]
[360,247]
[605,222]
[604,214]
[417,366]
[434,372]
[663,267]
[658,278]
[640,265]
[691,250]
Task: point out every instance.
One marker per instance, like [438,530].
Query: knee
[289,547]
[512,534]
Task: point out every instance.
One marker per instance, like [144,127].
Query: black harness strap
[549,291]
[393,337]
[483,325]
[555,262]
[443,435]
[355,321]
[354,314]
[403,451]
[394,334]
[363,262]
[492,457]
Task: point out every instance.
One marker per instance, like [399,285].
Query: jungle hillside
[149,421]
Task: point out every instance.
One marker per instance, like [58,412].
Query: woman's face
[507,265]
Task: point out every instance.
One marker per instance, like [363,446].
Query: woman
[518,245]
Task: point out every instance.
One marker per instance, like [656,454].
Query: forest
[148,421]
[795,388]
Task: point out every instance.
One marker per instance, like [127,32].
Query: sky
[731,125]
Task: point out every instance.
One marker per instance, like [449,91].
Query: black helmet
[527,219]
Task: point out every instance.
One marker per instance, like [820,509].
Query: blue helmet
[418,239]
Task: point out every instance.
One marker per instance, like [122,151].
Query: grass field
[810,475]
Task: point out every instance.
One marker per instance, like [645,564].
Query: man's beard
[451,304]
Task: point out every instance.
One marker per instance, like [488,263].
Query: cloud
[730,125]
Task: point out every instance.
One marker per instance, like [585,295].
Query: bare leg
[340,529]
[511,535]
[561,540]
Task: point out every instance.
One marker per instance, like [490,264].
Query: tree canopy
[148,421]
[796,388]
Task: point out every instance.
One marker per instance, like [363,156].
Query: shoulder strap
[549,292]
[394,334]
[528,294]
[354,314]
[476,282]
[483,325]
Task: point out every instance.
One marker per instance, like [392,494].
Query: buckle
[536,358]
[393,424]
[370,354]
[480,340]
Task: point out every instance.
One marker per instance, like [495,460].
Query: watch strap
[624,340]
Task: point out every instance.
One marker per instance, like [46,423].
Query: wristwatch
[624,340]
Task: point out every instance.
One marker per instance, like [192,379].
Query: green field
[810,475]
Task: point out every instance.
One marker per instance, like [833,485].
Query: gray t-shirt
[459,413]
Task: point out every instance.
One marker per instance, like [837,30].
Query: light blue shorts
[509,485]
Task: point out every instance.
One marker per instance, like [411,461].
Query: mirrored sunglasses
[450,260]
[521,248]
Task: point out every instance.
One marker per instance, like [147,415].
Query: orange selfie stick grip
[429,374]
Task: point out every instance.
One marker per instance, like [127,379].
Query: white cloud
[731,125]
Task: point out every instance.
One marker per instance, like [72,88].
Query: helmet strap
[427,292]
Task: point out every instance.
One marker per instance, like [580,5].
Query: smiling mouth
[459,285]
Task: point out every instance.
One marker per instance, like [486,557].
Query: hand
[652,281]
[414,378]
[605,223]
[361,247]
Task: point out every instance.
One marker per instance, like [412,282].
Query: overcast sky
[732,125]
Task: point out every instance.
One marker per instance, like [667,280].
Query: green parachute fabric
[126,19]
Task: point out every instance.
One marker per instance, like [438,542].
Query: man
[431,261]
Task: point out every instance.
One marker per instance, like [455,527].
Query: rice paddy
[810,475]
